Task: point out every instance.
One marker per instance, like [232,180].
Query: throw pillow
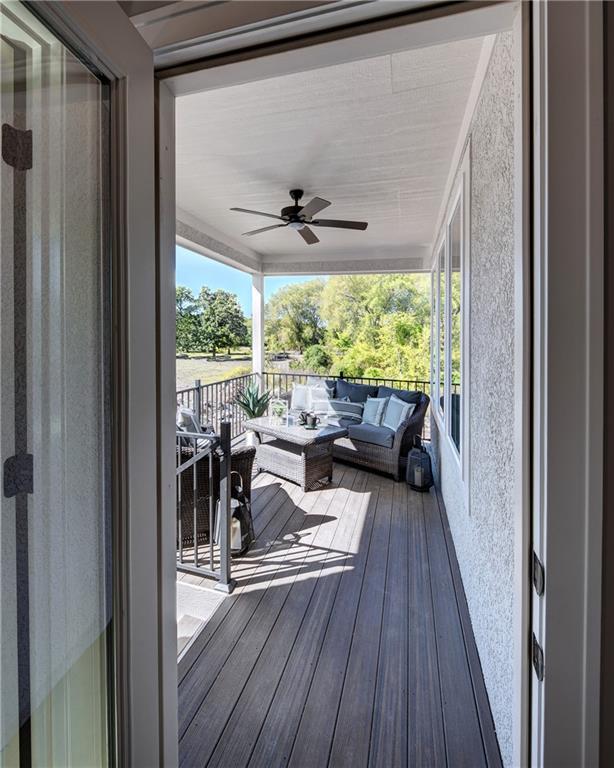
[397,411]
[374,410]
[186,420]
[343,409]
[357,393]
[317,392]
[330,388]
[300,397]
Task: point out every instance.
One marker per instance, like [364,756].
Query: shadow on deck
[346,642]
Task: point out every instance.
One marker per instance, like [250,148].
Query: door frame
[103,36]
[428,26]
[568,230]
[550,217]
[568,395]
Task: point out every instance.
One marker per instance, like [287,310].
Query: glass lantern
[419,471]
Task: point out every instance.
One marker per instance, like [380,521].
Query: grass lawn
[203,367]
[208,370]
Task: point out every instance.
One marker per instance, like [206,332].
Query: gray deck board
[389,739]
[243,727]
[346,642]
[350,745]
[426,735]
[460,718]
[277,734]
[281,554]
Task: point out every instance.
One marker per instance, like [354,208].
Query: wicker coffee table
[295,453]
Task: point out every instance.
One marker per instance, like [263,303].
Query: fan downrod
[296,195]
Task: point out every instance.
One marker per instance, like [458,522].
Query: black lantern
[419,472]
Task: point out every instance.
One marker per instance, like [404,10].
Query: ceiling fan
[299,216]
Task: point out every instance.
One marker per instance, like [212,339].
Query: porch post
[258,324]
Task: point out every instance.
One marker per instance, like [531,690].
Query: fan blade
[264,229]
[308,236]
[339,223]
[257,213]
[314,206]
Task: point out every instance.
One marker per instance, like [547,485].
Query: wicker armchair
[392,460]
[241,462]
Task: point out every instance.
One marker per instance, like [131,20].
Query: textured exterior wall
[484,534]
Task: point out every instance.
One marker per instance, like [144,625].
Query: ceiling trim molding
[344,267]
[196,236]
[414,29]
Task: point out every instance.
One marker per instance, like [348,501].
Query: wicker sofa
[374,447]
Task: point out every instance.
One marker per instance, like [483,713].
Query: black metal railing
[203,467]
[216,402]
[280,383]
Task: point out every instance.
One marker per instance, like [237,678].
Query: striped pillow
[343,409]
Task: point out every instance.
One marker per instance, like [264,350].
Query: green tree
[363,325]
[378,325]
[187,322]
[292,316]
[222,322]
[317,359]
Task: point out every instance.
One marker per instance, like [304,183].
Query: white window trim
[436,325]
[461,195]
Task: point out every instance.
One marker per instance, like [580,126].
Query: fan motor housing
[291,211]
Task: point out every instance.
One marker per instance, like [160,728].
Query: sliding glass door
[56,700]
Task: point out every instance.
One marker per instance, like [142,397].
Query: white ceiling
[375,137]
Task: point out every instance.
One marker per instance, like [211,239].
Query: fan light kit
[298,217]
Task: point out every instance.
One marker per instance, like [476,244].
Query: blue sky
[194,270]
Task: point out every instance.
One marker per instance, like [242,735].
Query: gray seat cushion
[368,433]
[358,393]
[407,395]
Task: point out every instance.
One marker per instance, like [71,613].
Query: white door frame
[568,322]
[145,733]
[568,377]
[416,34]
[566,131]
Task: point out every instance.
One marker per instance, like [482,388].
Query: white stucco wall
[484,533]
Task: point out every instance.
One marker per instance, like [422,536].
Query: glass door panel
[55,524]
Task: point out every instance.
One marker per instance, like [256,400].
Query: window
[441,324]
[455,325]
[450,322]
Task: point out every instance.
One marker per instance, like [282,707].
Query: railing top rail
[203,444]
[299,374]
[211,436]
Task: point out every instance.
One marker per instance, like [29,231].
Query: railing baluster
[195,503]
[179,527]
[211,512]
[225,583]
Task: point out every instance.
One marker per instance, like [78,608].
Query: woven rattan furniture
[241,462]
[295,453]
[391,460]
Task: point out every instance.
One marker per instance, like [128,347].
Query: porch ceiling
[376,137]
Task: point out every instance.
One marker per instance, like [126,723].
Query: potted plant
[253,404]
[279,409]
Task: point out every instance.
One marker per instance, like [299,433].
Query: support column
[258,324]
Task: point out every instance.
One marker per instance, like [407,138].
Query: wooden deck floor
[346,643]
